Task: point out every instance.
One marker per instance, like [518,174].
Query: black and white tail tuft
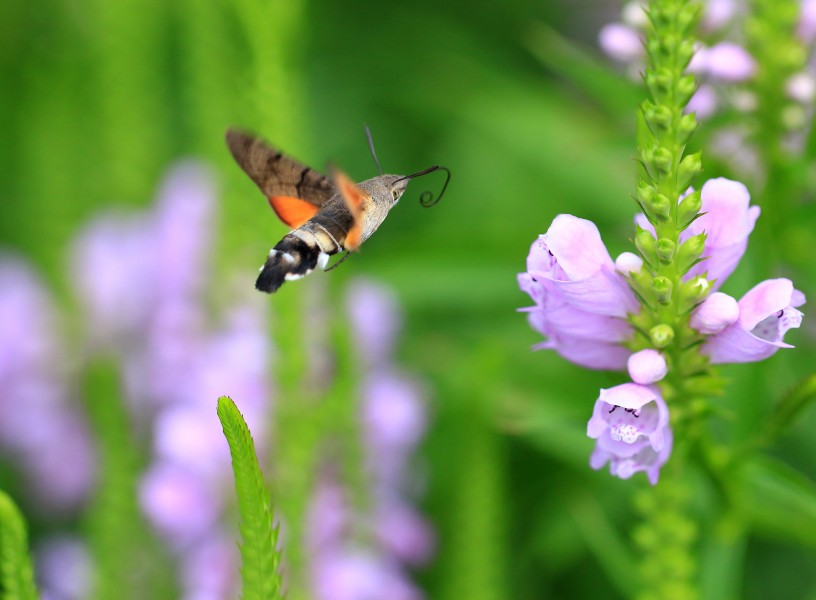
[290,259]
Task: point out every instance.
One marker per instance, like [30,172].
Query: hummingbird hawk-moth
[326,214]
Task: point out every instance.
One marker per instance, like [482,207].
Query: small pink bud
[628,262]
[647,366]
[716,313]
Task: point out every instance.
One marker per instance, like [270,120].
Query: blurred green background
[98,98]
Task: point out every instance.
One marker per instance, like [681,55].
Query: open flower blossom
[630,424]
[581,300]
[766,312]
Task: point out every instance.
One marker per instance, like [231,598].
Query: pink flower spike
[807,21]
[727,221]
[621,42]
[717,312]
[581,269]
[647,366]
[766,313]
[631,425]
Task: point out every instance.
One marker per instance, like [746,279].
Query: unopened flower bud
[690,252]
[665,250]
[686,126]
[662,160]
[662,288]
[647,366]
[645,242]
[685,88]
[661,335]
[689,168]
[717,312]
[689,208]
[658,117]
[628,262]
[661,207]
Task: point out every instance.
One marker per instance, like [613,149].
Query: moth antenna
[338,263]
[373,153]
[426,198]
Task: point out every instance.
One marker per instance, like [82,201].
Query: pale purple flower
[647,366]
[621,42]
[727,220]
[182,229]
[178,503]
[726,62]
[807,21]
[766,313]
[209,568]
[630,424]
[581,297]
[113,261]
[801,87]
[715,313]
[353,574]
[375,320]
[64,569]
[718,13]
[404,532]
[704,102]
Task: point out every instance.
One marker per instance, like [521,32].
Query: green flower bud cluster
[668,172]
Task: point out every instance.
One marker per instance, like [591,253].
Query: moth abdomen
[291,258]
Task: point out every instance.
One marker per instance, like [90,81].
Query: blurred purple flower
[393,419]
[375,320]
[64,569]
[40,427]
[704,102]
[631,425]
[621,42]
[353,574]
[766,313]
[178,503]
[726,62]
[209,568]
[581,299]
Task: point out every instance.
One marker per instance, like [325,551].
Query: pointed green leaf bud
[659,81]
[685,89]
[645,242]
[661,335]
[690,252]
[688,209]
[686,127]
[685,50]
[663,160]
[662,288]
[688,169]
[661,207]
[692,292]
[659,117]
[665,250]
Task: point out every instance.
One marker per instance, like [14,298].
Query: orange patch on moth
[356,200]
[292,211]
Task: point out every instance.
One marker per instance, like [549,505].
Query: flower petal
[588,353]
[727,221]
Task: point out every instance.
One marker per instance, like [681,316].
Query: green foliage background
[99,97]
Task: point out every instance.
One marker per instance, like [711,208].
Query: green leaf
[776,499]
[789,407]
[16,573]
[259,553]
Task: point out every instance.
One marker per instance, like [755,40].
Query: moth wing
[294,191]
[356,200]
